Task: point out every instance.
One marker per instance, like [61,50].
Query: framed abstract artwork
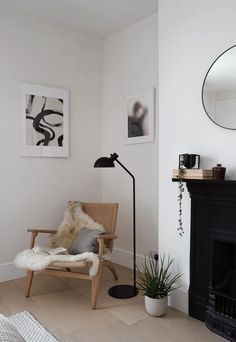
[44,128]
[139,117]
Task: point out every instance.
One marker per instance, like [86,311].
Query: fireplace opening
[221,313]
[224,268]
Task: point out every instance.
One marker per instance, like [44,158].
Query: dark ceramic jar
[218,172]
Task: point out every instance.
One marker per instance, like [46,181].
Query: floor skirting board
[8,272]
[125,258]
[179,300]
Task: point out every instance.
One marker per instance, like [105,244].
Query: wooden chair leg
[28,284]
[111,267]
[95,287]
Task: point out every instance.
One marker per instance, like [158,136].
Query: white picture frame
[139,117]
[44,121]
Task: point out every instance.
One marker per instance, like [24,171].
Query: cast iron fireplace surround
[212,292]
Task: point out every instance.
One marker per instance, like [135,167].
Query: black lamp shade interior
[104,162]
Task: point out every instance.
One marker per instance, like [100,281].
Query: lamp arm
[125,169]
[134,223]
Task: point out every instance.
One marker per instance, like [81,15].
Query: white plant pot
[156,307]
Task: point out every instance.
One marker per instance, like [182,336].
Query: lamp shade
[105,161]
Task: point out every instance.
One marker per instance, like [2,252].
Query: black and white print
[44,121]
[139,117]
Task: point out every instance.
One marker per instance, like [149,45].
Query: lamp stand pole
[127,291]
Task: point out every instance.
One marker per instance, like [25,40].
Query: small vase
[218,172]
[189,160]
[156,307]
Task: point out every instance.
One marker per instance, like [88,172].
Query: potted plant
[157,282]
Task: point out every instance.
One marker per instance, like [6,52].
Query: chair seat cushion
[38,261]
[86,241]
[70,264]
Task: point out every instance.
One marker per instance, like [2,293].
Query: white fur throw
[37,261]
[74,219]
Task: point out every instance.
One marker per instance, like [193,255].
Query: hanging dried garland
[180,229]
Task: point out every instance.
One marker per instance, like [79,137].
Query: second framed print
[139,117]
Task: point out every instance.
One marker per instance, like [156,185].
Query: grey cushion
[8,332]
[86,241]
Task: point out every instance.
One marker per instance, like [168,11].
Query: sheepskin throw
[74,220]
[38,261]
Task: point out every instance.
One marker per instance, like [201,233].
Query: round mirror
[219,90]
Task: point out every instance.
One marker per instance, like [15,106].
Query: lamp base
[123,291]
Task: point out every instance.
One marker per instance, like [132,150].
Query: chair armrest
[36,231]
[101,239]
[107,237]
[40,230]
[101,248]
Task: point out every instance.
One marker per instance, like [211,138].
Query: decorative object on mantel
[157,282]
[218,172]
[180,229]
[186,161]
[189,161]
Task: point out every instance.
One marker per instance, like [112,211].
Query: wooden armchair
[106,215]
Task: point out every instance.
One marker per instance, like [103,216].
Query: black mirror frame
[232,129]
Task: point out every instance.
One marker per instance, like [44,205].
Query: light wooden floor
[63,307]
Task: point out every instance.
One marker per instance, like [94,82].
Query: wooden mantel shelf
[206,181]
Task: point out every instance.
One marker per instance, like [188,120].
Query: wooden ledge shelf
[206,181]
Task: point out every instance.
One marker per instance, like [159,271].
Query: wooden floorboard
[63,306]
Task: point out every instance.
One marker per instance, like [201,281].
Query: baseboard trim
[125,258]
[8,272]
[179,300]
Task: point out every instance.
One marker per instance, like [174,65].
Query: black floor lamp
[124,290]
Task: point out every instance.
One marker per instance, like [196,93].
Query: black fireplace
[212,292]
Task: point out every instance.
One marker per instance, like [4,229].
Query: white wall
[34,191]
[191,35]
[130,66]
